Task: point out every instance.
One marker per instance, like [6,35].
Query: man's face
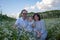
[24,14]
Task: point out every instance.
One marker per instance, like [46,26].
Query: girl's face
[30,19]
[36,18]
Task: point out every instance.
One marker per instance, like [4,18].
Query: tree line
[47,14]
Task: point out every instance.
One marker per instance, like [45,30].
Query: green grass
[7,32]
[53,28]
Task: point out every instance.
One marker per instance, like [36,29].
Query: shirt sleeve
[17,22]
[43,26]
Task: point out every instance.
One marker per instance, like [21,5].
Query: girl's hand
[33,25]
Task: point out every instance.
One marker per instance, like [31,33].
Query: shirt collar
[23,19]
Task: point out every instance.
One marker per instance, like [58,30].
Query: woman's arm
[43,27]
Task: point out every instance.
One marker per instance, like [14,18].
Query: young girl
[30,24]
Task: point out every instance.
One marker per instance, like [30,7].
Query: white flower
[6,31]
[5,38]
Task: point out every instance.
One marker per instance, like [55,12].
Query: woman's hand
[38,34]
[33,25]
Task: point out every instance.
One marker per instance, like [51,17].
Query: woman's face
[36,18]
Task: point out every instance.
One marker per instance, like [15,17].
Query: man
[22,21]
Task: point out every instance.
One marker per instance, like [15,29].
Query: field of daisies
[8,32]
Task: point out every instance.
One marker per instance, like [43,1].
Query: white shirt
[21,23]
[29,27]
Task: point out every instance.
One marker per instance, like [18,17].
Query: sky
[13,7]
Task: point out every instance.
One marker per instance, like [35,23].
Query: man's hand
[14,26]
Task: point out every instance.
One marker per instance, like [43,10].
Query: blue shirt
[29,27]
[40,26]
[21,23]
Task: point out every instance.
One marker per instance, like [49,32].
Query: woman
[39,29]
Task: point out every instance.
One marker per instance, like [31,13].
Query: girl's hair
[37,16]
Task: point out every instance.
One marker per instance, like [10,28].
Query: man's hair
[23,10]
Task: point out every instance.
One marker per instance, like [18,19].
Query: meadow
[7,32]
